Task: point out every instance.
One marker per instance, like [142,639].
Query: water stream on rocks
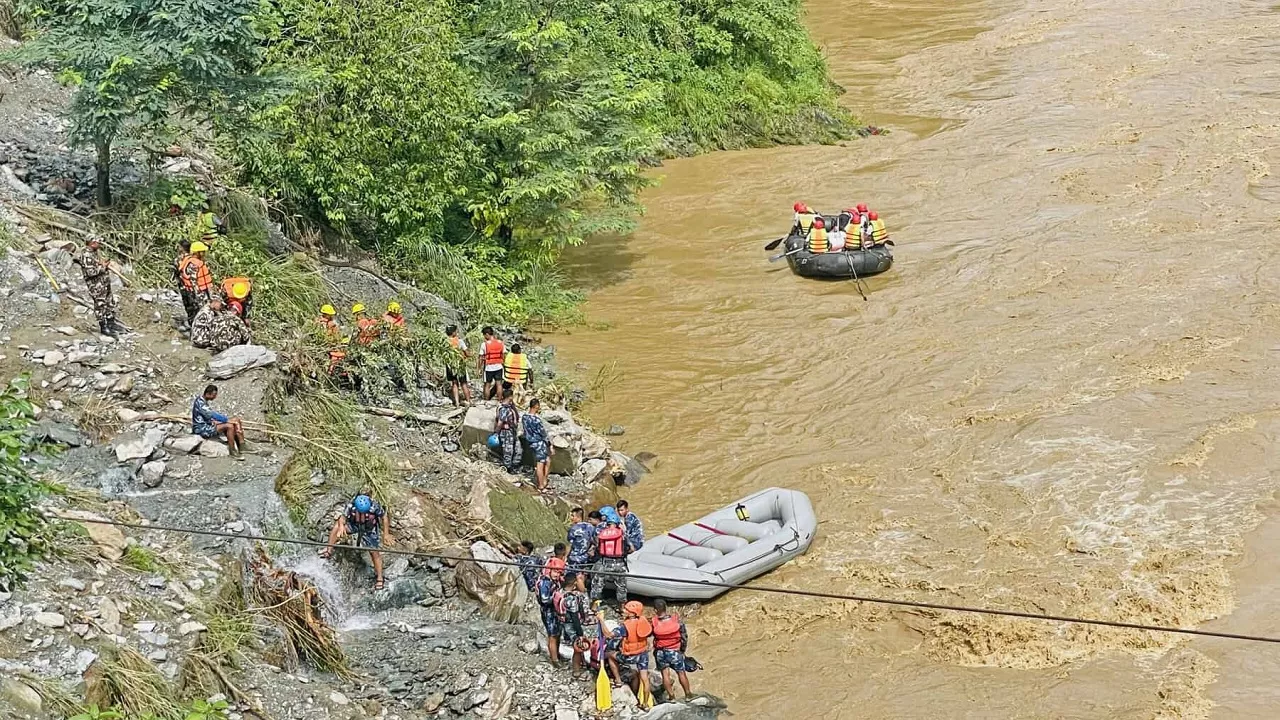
[1061,399]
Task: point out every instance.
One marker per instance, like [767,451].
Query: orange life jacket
[368,330]
[393,320]
[818,240]
[204,279]
[637,640]
[493,350]
[455,342]
[231,282]
[666,633]
[610,541]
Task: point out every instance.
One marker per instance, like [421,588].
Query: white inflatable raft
[779,524]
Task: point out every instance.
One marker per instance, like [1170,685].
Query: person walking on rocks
[632,526]
[369,522]
[611,549]
[507,426]
[209,423]
[535,433]
[97,277]
[670,642]
[582,541]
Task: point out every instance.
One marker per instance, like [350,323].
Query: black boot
[106,329]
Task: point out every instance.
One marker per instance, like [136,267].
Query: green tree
[139,67]
[22,527]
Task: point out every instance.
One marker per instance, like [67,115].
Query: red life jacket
[611,541]
[666,633]
[493,350]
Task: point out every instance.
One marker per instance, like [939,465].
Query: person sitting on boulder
[209,423]
[369,523]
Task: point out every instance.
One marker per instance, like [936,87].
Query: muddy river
[1062,398]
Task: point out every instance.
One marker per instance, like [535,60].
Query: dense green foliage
[138,66]
[23,532]
[479,138]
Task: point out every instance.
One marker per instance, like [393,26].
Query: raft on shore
[840,265]
[777,524]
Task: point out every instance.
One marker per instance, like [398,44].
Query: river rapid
[1061,399]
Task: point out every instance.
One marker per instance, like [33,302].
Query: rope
[727,586]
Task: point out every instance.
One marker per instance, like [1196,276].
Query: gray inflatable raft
[719,547]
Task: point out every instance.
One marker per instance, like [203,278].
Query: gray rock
[237,359]
[591,470]
[57,433]
[169,670]
[615,430]
[499,588]
[566,713]
[129,415]
[112,368]
[72,584]
[131,446]
[530,647]
[53,357]
[49,619]
[66,330]
[477,425]
[158,656]
[433,702]
[338,698]
[468,700]
[398,593]
[21,695]
[84,659]
[81,357]
[152,473]
[57,258]
[214,448]
[114,481]
[185,444]
[626,470]
[123,386]
[191,626]
[157,581]
[145,626]
[157,639]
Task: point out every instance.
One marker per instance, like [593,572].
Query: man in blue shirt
[631,525]
[209,423]
[582,540]
[364,518]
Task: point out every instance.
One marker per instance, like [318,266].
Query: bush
[23,530]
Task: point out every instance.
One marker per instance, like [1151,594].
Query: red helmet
[873,215]
[819,222]
[862,208]
[798,207]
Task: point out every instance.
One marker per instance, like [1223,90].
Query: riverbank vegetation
[465,143]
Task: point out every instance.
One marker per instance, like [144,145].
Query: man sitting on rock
[217,328]
[209,423]
[368,522]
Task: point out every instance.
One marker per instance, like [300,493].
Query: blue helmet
[363,503]
[610,515]
[493,442]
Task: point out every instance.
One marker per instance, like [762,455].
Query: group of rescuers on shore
[568,586]
[869,230]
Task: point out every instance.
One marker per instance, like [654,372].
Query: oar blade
[774,244]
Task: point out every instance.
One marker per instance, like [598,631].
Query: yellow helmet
[393,307]
[346,340]
[240,290]
[198,246]
[357,308]
[328,310]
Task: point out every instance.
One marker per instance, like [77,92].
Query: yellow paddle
[604,692]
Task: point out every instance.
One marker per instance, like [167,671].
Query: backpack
[546,591]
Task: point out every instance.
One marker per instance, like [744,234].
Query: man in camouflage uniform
[97,277]
[217,328]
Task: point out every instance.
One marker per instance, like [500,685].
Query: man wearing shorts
[368,522]
[670,641]
[209,423]
[459,387]
[492,353]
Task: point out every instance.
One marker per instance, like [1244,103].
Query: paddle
[775,243]
[604,692]
[857,281]
[776,258]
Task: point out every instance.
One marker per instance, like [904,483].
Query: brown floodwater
[1062,398]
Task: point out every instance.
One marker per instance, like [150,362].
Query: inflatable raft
[837,265]
[777,524]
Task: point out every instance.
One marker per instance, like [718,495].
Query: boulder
[185,444]
[132,446]
[214,448]
[592,470]
[53,357]
[237,359]
[626,470]
[566,458]
[477,425]
[57,433]
[50,619]
[152,473]
[604,492]
[699,707]
[501,695]
[498,588]
[57,258]
[21,695]
[615,430]
[110,541]
[593,446]
[114,481]
[478,500]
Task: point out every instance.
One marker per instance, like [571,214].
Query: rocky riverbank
[148,619]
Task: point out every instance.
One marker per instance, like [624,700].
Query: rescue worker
[611,551]
[848,219]
[369,523]
[507,426]
[574,612]
[631,525]
[197,281]
[208,227]
[549,595]
[332,331]
[530,564]
[455,371]
[216,328]
[517,371]
[97,278]
[803,219]
[670,642]
[237,294]
[817,241]
[367,329]
[393,318]
[636,632]
[582,541]
[878,232]
[492,353]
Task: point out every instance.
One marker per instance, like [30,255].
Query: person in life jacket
[367,329]
[455,372]
[332,331]
[636,632]
[237,294]
[802,220]
[393,318]
[670,642]
[878,233]
[365,519]
[517,372]
[208,227]
[196,281]
[612,548]
[492,353]
[817,241]
[548,592]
